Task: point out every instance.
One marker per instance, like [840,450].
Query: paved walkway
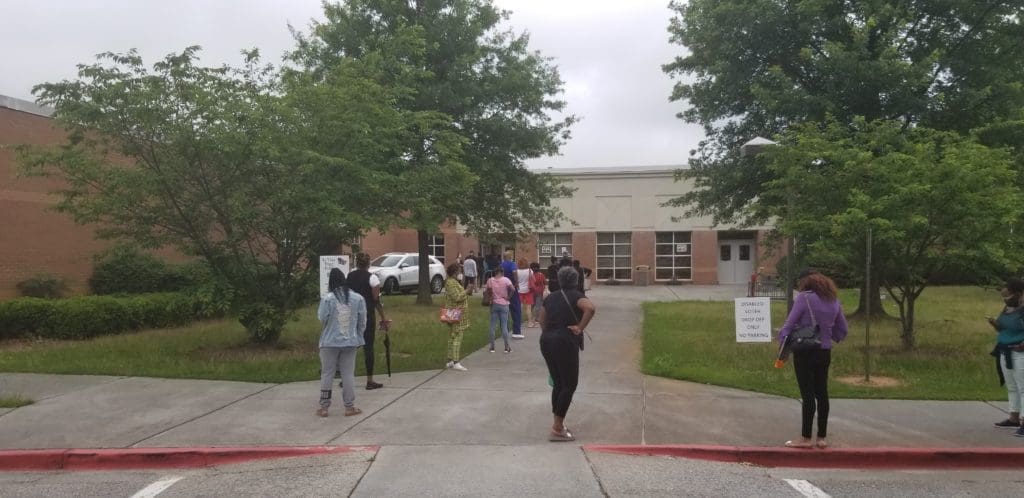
[502,401]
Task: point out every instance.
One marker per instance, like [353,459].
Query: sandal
[821,444]
[321,412]
[352,411]
[565,435]
[799,444]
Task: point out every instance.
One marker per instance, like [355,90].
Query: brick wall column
[705,256]
[584,248]
[643,251]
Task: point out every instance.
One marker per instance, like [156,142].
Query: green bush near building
[90,316]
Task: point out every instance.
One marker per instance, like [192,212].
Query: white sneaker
[518,336]
[450,364]
[458,366]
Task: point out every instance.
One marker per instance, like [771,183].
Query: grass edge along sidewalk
[695,341]
[217,349]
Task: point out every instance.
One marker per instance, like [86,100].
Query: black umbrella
[385,326]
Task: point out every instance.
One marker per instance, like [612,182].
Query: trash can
[641,275]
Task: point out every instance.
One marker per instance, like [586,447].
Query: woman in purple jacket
[818,296]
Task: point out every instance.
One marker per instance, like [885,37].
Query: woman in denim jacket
[343,316]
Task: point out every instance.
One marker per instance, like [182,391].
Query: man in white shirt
[469,273]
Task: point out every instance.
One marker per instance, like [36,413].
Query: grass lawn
[695,341]
[14,401]
[218,349]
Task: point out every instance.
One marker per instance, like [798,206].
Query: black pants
[562,356]
[812,376]
[368,336]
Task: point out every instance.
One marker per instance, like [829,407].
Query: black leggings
[368,336]
[812,376]
[563,358]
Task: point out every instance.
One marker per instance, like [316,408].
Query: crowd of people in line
[553,300]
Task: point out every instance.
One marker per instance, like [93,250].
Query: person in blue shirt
[1009,350]
[508,268]
[342,314]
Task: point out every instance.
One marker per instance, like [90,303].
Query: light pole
[752,148]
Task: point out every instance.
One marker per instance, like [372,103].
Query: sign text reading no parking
[753,319]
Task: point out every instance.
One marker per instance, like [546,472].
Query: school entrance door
[735,261]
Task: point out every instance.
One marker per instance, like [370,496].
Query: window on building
[614,256]
[673,256]
[436,247]
[553,244]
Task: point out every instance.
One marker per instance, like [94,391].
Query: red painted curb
[152,458]
[840,458]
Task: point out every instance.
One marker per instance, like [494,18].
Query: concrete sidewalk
[501,402]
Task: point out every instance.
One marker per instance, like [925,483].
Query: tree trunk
[907,334]
[423,290]
[877,311]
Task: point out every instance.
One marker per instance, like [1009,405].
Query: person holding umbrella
[367,285]
[455,297]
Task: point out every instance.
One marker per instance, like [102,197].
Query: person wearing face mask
[1009,351]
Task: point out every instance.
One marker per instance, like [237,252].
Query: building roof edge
[612,171]
[25,106]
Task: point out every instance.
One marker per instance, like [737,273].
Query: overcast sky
[609,53]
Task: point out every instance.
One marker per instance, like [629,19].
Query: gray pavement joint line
[406,393]
[600,485]
[57,395]
[643,412]
[1000,408]
[193,419]
[366,471]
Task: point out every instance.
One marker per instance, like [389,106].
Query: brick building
[35,239]
[618,225]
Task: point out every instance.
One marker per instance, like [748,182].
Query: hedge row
[91,316]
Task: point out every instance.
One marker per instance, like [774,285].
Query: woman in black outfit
[563,318]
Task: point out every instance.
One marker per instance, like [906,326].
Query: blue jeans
[499,316]
[516,309]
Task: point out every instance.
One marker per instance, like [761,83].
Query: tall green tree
[935,201]
[486,99]
[217,164]
[757,67]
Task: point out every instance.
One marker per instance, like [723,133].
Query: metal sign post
[867,314]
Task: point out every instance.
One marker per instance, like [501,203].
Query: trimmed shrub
[124,270]
[44,286]
[24,316]
[91,316]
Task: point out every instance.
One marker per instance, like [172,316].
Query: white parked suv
[400,272]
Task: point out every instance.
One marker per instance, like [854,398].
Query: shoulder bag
[451,315]
[806,338]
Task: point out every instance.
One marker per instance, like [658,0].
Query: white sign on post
[753,319]
[326,264]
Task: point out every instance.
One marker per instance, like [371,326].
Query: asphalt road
[382,474]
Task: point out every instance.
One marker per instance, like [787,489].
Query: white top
[469,267]
[523,276]
[374,281]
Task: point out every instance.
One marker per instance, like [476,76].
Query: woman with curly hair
[816,304]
